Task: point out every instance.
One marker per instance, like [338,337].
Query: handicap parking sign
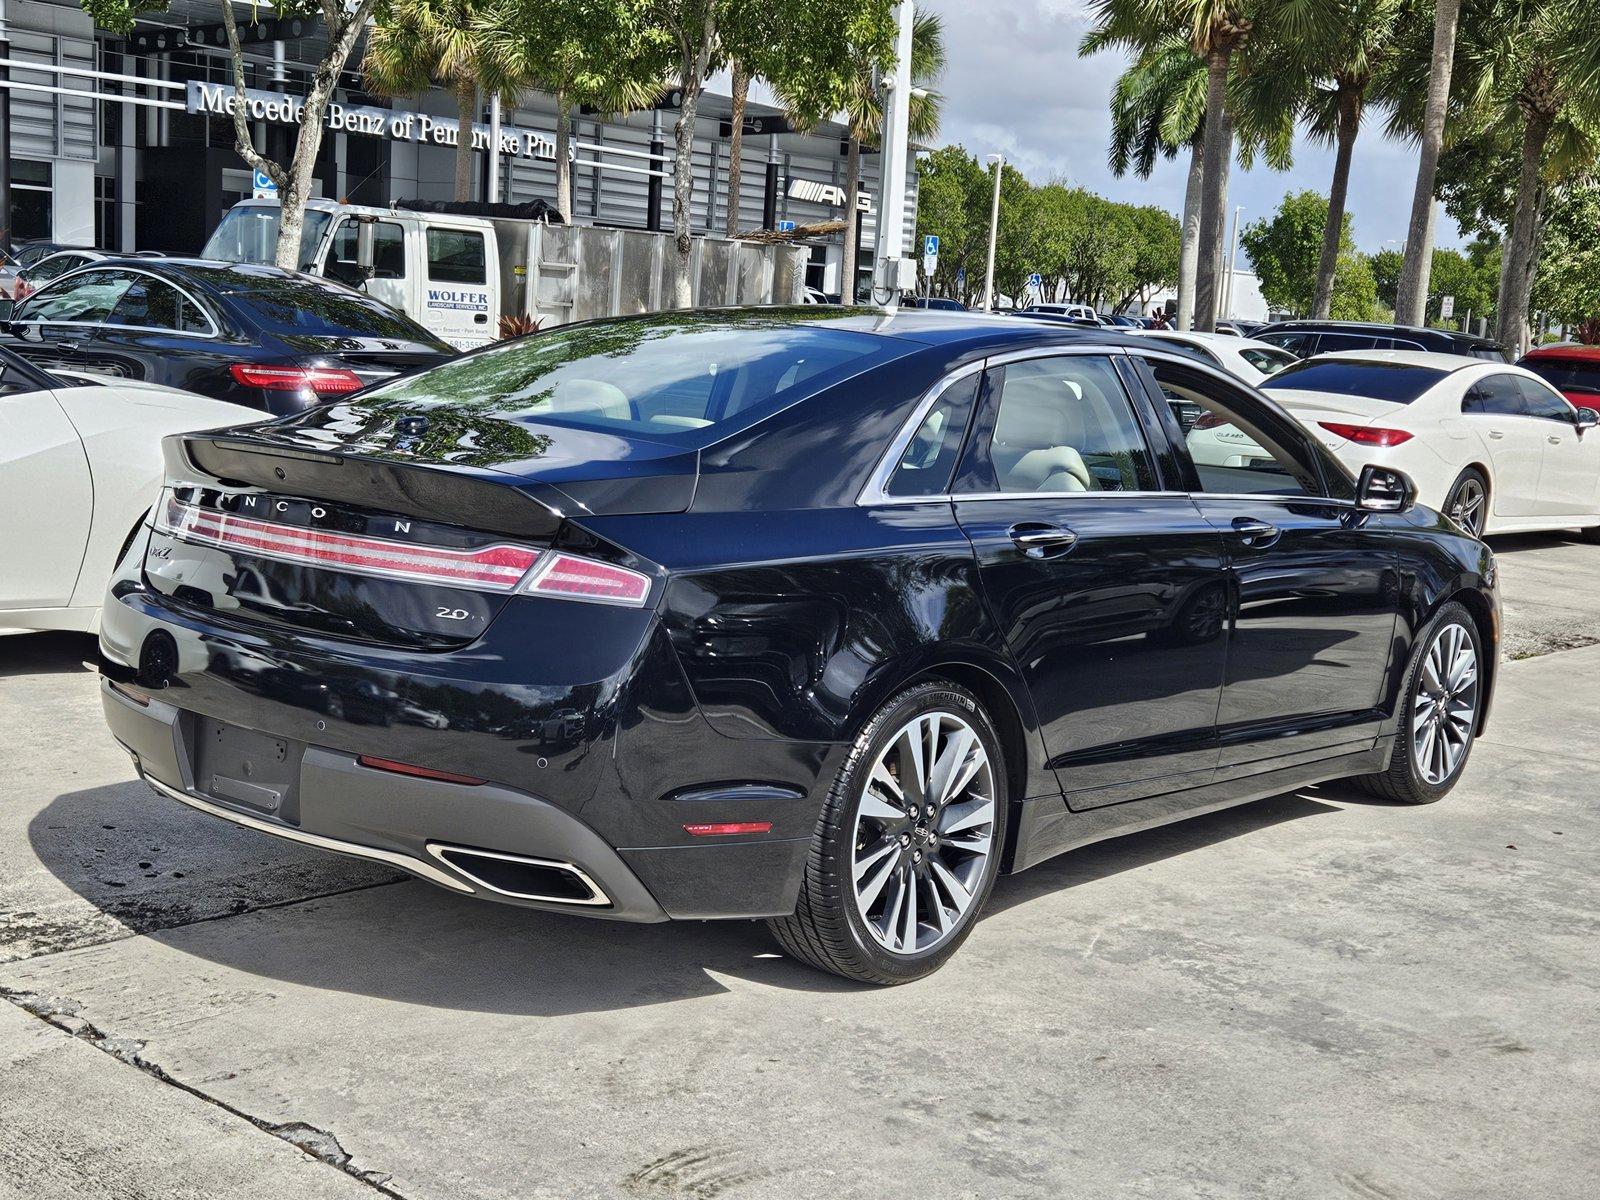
[264,188]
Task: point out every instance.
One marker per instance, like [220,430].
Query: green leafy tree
[1285,249]
[1527,78]
[343,25]
[953,192]
[833,37]
[1452,273]
[417,43]
[1567,280]
[598,53]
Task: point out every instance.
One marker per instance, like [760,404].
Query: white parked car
[1492,445]
[80,464]
[1243,358]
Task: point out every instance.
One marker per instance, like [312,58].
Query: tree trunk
[741,94]
[1511,319]
[466,117]
[1225,169]
[1189,257]
[693,64]
[852,220]
[564,157]
[1211,201]
[1333,234]
[1412,298]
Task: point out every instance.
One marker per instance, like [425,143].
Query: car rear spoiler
[456,496]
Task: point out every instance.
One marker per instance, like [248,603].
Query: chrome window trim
[213,334]
[878,481]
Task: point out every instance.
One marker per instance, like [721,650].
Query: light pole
[999,161]
[894,153]
[1233,259]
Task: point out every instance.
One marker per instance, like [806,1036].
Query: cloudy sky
[1016,84]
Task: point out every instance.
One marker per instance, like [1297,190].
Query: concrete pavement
[1315,995]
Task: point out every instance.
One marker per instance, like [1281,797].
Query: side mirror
[1588,418]
[1383,489]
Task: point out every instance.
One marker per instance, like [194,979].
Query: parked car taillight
[1367,435]
[1208,420]
[320,381]
[500,568]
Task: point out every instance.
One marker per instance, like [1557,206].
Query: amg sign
[219,100]
[816,192]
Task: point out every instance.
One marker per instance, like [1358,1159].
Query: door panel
[1313,630]
[1496,412]
[1571,467]
[45,502]
[1110,593]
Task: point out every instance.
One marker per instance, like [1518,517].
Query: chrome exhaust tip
[521,877]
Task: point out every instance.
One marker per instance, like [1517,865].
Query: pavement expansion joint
[320,1144]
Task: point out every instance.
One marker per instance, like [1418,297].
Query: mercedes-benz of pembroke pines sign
[217,99]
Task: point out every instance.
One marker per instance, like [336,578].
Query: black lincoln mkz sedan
[817,616]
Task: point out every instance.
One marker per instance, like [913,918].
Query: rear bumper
[422,826]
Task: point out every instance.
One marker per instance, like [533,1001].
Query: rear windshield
[684,377]
[318,309]
[1399,383]
[1566,374]
[1492,353]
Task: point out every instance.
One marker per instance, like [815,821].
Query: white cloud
[1016,84]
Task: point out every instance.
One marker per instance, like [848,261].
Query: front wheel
[909,842]
[1439,711]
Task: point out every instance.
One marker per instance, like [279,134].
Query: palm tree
[420,42]
[1523,81]
[863,113]
[580,54]
[1215,30]
[1330,78]
[1412,298]
[1158,108]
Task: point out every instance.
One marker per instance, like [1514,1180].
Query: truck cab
[440,269]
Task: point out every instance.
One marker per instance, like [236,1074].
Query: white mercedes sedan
[1492,445]
[80,465]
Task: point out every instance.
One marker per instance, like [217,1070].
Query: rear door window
[1064,425]
[928,460]
[1299,344]
[456,256]
[150,303]
[1496,396]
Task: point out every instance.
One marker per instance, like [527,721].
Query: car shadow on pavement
[45,653]
[326,922]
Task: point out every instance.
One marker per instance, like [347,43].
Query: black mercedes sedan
[813,615]
[258,336]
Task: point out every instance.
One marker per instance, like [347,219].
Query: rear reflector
[728,828]
[322,381]
[568,577]
[400,768]
[1367,435]
[491,568]
[138,697]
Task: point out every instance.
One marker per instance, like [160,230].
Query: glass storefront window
[32,211]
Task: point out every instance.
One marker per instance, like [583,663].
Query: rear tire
[1467,501]
[908,844]
[1439,713]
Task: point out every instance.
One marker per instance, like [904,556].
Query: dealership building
[124,143]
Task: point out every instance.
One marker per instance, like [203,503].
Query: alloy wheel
[924,831]
[1467,506]
[1444,711]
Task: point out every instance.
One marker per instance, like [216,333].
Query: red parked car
[1574,371]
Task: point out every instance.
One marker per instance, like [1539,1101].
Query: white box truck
[457,269]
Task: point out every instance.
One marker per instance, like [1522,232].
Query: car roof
[1407,358]
[220,276]
[1208,339]
[1309,325]
[1581,353]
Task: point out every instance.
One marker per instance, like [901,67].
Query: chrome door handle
[1496,434]
[1036,541]
[66,345]
[1249,528]
[1553,440]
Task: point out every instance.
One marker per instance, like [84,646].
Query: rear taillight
[1208,420]
[320,381]
[572,578]
[1367,435]
[402,768]
[499,568]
